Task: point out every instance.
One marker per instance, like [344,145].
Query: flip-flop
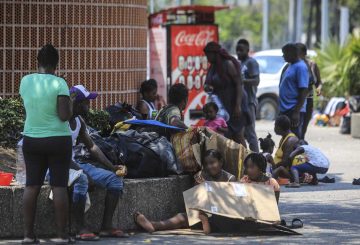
[114,233]
[28,240]
[356,182]
[296,224]
[326,179]
[87,237]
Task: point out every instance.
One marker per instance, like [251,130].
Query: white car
[271,63]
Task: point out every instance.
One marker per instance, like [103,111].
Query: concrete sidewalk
[330,211]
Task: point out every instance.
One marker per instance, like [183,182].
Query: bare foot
[143,222]
[205,223]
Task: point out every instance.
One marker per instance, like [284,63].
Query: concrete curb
[157,198]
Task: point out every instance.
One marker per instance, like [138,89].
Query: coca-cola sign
[200,38]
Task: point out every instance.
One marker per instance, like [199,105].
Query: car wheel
[268,109]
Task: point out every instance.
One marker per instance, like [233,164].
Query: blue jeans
[80,186]
[309,168]
[104,178]
[296,130]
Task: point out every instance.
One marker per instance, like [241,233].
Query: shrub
[339,67]
[12,117]
[99,120]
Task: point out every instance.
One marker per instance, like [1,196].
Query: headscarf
[221,55]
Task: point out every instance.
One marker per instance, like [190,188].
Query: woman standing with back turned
[47,141]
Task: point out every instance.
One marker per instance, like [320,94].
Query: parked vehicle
[271,63]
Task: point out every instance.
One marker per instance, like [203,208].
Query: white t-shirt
[315,157]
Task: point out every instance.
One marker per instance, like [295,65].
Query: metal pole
[265,22]
[344,24]
[299,22]
[324,22]
[151,6]
[291,20]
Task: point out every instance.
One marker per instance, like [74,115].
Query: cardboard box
[232,199]
[244,202]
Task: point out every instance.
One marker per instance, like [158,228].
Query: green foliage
[240,22]
[339,66]
[12,116]
[99,120]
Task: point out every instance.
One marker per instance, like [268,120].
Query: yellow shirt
[279,153]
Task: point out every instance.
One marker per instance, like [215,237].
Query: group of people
[55,124]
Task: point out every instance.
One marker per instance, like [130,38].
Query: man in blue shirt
[294,83]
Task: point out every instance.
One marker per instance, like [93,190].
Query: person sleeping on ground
[255,173]
[212,171]
[286,146]
[307,159]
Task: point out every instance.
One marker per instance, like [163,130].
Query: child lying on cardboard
[255,168]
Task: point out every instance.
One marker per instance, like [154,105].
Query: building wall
[102,44]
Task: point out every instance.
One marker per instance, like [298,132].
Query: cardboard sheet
[233,200]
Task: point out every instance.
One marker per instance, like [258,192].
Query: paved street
[330,211]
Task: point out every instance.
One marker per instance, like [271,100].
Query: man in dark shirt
[250,74]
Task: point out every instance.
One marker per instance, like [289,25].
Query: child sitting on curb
[267,146]
[255,173]
[213,171]
[213,121]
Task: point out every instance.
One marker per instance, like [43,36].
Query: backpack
[140,160]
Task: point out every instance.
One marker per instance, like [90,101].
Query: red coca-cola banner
[188,61]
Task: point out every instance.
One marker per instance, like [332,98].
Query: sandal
[28,240]
[114,233]
[356,182]
[87,237]
[326,179]
[295,224]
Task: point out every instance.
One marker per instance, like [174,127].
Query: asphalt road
[330,211]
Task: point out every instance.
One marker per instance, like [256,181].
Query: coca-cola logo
[194,39]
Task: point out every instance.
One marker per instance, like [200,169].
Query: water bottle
[20,164]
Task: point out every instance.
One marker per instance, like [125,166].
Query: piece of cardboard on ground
[252,203]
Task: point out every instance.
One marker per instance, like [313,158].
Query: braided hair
[221,55]
[266,143]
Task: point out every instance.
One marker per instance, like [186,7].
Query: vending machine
[176,41]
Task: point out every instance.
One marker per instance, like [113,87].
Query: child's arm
[296,152]
[222,130]
[270,160]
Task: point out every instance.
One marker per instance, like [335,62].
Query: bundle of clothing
[145,154]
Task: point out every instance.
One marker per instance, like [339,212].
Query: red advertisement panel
[188,61]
